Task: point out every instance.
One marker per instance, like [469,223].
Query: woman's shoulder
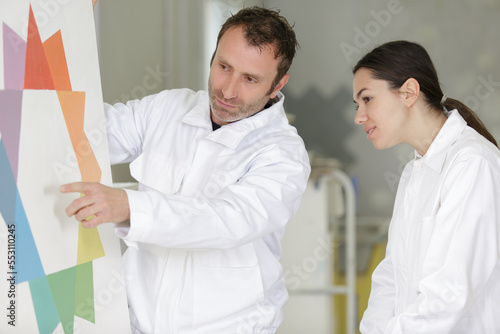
[471,145]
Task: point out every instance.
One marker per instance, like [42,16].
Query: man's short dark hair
[263,27]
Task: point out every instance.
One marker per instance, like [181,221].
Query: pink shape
[14,56]
[10,124]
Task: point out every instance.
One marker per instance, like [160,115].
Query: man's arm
[260,203]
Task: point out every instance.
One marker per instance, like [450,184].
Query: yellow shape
[89,244]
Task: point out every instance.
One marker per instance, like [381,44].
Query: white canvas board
[46,159]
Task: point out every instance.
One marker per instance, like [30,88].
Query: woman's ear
[410,91]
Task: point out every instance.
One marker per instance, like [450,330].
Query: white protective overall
[212,206]
[441,273]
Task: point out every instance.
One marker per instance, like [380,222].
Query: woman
[441,273]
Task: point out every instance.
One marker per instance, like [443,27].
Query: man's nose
[230,89]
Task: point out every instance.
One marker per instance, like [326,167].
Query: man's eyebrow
[223,61]
[255,76]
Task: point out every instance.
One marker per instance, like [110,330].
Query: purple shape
[14,58]
[10,124]
[8,189]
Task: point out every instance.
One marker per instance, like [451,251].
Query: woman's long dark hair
[397,61]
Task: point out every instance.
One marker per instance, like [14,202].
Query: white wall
[131,45]
[148,46]
[461,37]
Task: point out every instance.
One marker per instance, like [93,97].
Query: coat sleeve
[381,302]
[462,253]
[126,125]
[259,203]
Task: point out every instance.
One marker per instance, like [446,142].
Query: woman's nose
[360,117]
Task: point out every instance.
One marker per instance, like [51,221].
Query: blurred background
[148,46]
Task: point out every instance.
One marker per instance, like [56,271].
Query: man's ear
[280,85]
[410,91]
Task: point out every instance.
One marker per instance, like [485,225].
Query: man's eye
[250,79]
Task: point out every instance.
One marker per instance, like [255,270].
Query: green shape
[62,285]
[84,292]
[47,317]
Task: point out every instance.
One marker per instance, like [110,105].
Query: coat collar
[449,133]
[232,134]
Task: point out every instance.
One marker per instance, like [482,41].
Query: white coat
[441,273]
[212,206]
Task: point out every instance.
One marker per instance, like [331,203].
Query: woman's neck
[426,126]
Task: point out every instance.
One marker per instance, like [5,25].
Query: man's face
[241,77]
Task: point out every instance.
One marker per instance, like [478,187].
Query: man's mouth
[225,105]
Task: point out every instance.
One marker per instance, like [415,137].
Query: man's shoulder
[177,102]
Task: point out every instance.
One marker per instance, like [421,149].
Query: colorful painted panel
[58,277]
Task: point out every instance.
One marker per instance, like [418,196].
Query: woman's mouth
[370,132]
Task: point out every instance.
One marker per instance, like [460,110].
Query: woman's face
[379,109]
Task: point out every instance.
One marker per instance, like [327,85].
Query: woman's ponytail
[470,117]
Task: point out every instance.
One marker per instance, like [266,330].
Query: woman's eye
[356,107]
[366,99]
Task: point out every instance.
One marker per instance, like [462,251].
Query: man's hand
[100,204]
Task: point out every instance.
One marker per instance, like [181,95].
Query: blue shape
[28,264]
[45,307]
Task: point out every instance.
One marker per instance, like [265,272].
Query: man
[220,174]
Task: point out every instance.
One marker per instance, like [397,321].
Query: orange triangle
[37,72]
[73,108]
[54,49]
